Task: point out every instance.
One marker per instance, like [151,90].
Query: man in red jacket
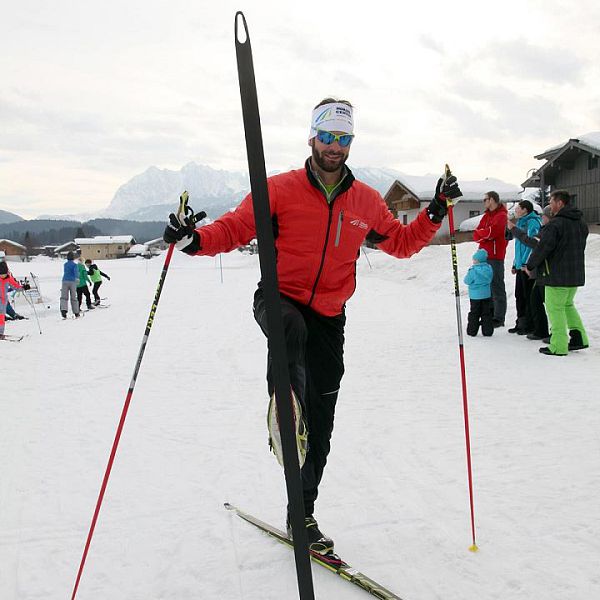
[490,234]
[321,215]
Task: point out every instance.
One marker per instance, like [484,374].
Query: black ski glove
[26,286]
[183,235]
[446,188]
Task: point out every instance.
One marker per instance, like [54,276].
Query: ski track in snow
[394,495]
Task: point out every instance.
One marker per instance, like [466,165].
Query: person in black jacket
[560,257]
[539,319]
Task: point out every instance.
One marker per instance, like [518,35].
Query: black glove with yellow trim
[446,189]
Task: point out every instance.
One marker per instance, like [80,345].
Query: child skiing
[479,278]
[96,276]
[6,279]
[82,285]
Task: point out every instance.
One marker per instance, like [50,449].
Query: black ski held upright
[276,337]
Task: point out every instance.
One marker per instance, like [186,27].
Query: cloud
[522,59]
[496,112]
[90,140]
[429,42]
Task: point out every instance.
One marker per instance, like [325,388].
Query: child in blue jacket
[479,279]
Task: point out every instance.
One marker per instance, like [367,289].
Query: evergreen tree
[29,243]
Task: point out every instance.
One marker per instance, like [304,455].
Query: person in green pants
[560,255]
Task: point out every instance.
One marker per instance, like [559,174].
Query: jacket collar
[345,185]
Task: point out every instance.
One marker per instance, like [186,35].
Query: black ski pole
[184,209]
[463,372]
[276,337]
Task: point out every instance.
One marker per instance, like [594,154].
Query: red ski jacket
[4,283]
[490,232]
[318,243]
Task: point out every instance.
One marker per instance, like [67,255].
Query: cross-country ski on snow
[331,561]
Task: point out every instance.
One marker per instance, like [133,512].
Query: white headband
[336,116]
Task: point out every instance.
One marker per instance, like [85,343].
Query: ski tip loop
[474,548]
[241,37]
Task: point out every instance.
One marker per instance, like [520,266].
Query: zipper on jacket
[312,295]
[339,228]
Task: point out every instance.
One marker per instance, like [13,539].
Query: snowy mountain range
[151,195]
[9,217]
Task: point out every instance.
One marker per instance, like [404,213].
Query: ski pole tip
[474,548]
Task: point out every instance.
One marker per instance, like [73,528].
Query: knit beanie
[481,255]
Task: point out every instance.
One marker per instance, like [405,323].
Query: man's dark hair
[526,205]
[494,196]
[331,101]
[561,195]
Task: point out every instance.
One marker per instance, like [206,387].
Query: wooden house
[105,246]
[12,250]
[573,166]
[405,205]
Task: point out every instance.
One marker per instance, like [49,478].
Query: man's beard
[327,163]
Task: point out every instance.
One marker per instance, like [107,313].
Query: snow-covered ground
[394,495]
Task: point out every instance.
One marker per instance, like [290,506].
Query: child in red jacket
[6,279]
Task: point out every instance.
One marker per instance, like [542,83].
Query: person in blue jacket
[68,289]
[529,222]
[479,279]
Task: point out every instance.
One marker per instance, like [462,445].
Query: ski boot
[576,340]
[300,430]
[317,541]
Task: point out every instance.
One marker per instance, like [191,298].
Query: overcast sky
[93,93]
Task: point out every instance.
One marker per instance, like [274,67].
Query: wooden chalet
[573,166]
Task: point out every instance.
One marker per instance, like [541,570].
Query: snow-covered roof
[138,249]
[64,246]
[591,139]
[470,224]
[13,244]
[106,239]
[155,242]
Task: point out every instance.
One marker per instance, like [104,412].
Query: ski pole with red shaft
[184,214]
[463,374]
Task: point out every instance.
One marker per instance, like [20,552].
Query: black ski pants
[95,289]
[315,349]
[538,311]
[498,289]
[481,313]
[523,288]
[83,291]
